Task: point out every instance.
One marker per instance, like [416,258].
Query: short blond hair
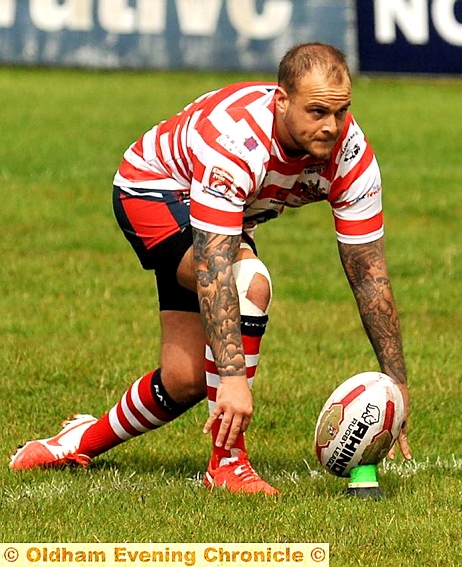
[304,58]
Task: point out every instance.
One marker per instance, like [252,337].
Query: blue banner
[410,36]
[196,34]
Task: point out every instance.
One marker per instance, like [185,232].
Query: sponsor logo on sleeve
[372,192]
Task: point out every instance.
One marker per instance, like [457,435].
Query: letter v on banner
[251,24]
[198,17]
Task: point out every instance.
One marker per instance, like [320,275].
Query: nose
[330,124]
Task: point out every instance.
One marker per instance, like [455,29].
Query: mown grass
[78,324]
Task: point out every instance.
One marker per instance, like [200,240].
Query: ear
[281,99]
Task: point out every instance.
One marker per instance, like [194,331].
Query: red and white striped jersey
[221,152]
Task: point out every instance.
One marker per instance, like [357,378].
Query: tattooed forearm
[214,255]
[366,270]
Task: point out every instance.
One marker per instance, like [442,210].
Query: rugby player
[188,196]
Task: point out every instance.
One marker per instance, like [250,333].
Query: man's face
[311,119]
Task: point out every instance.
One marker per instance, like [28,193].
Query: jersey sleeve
[356,190]
[225,175]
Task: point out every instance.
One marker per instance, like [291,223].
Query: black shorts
[157,225]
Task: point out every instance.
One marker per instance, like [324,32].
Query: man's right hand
[234,402]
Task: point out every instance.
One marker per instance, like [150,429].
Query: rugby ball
[359,423]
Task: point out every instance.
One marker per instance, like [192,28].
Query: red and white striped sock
[253,328]
[144,406]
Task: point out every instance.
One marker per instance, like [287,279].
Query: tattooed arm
[366,269]
[214,255]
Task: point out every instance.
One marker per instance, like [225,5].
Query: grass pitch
[78,324]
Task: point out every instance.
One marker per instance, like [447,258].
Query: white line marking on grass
[410,468]
[112,481]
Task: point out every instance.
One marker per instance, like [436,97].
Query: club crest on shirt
[220,183]
[306,192]
[311,191]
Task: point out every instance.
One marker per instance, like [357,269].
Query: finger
[234,431]
[404,445]
[222,432]
[245,423]
[391,453]
[211,420]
